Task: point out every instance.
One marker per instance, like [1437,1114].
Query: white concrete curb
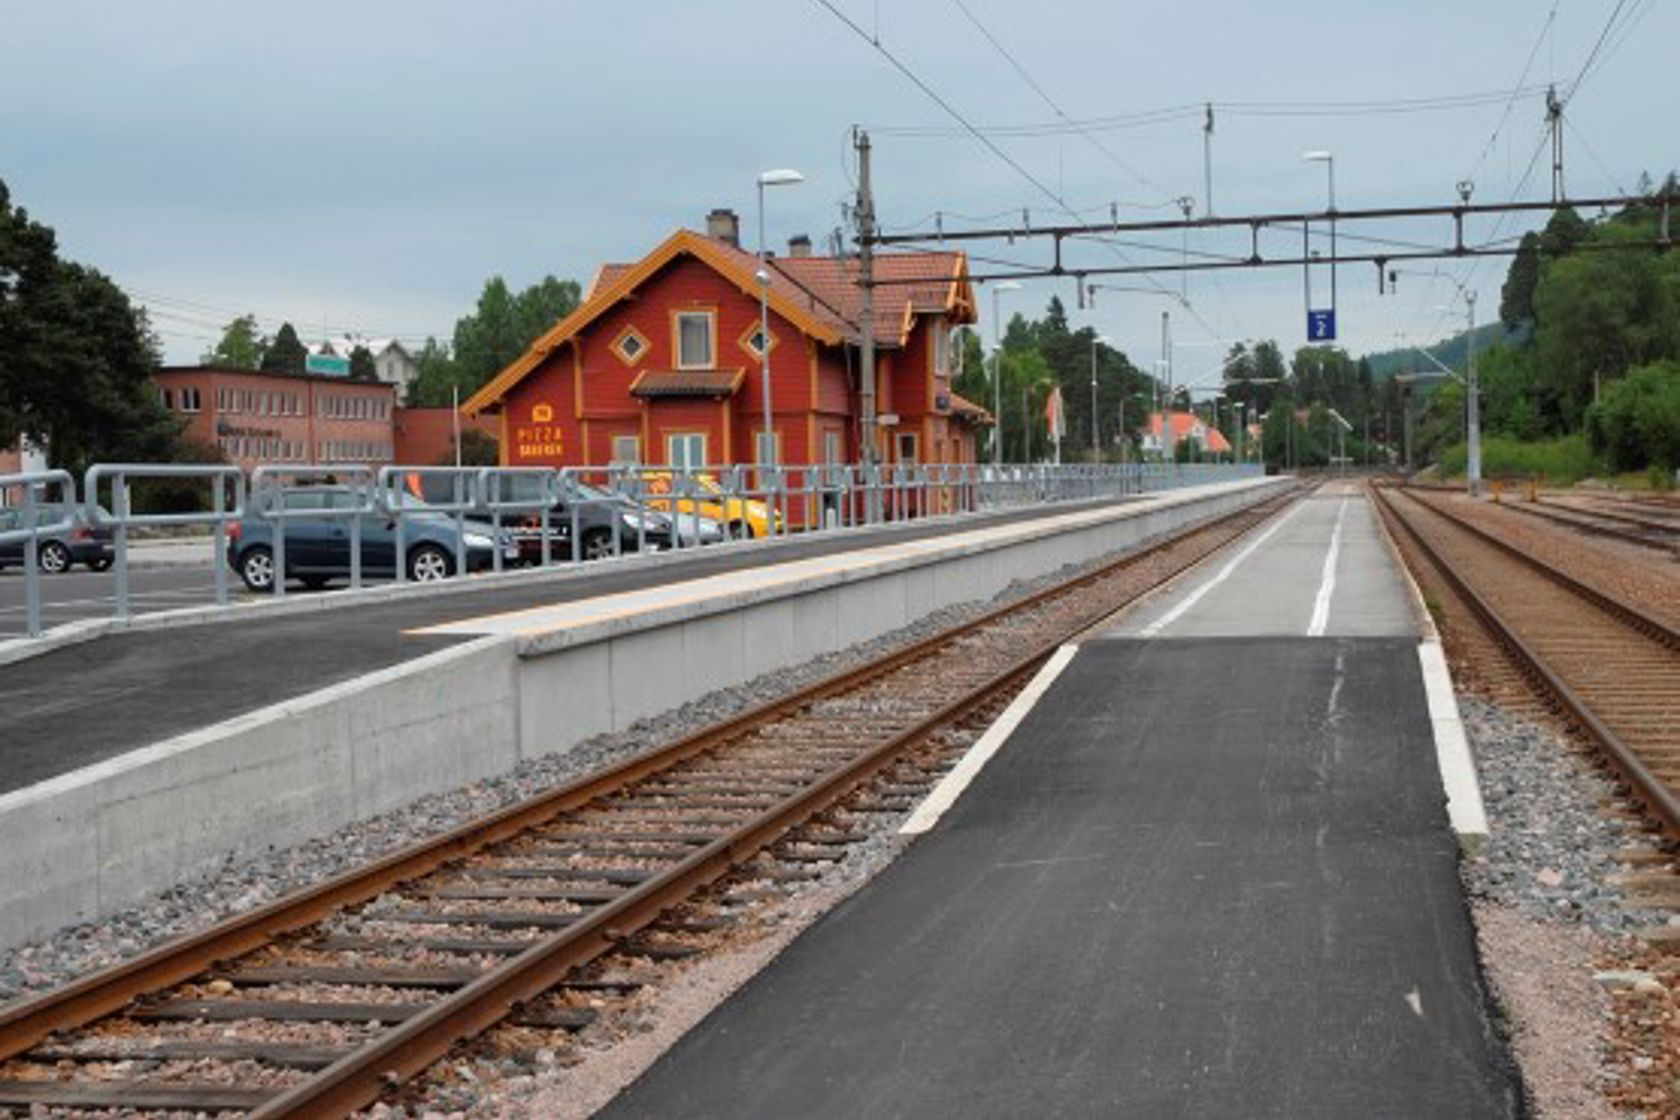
[1453,757]
[1452,750]
[951,787]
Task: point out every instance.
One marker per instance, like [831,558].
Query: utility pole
[1207,163]
[866,345]
[1472,414]
[1554,124]
[1166,365]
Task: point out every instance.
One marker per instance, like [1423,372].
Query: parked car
[600,514]
[318,548]
[83,543]
[740,517]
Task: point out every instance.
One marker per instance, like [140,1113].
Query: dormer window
[630,346]
[695,345]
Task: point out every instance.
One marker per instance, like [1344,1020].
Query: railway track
[326,1001]
[1646,531]
[1611,670]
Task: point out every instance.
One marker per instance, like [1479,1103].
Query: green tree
[76,358]
[1636,422]
[503,325]
[285,354]
[362,367]
[438,376]
[241,346]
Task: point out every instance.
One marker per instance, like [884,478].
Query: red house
[660,363]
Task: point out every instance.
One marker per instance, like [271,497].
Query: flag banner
[1054,418]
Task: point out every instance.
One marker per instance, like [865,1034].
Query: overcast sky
[369,165]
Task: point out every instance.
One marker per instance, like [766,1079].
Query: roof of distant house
[1184,423]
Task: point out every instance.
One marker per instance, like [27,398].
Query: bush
[1561,462]
[1636,422]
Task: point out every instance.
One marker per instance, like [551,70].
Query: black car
[600,514]
[82,543]
[318,548]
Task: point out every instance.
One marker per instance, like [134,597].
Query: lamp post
[1329,161]
[1096,436]
[780,177]
[997,369]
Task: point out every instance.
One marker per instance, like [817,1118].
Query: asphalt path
[1205,878]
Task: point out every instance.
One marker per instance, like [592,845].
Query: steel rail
[1582,520]
[26,1023]
[1669,527]
[1654,628]
[1647,787]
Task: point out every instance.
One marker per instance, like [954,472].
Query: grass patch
[1560,462]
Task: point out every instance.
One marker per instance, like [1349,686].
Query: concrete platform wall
[93,841]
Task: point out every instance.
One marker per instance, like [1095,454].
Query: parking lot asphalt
[84,703]
[1204,878]
[80,594]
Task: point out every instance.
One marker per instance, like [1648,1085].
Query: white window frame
[684,461]
[710,319]
[759,435]
[635,444]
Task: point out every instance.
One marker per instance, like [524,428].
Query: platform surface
[1207,876]
[1320,569]
[83,704]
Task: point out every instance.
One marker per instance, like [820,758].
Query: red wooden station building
[660,363]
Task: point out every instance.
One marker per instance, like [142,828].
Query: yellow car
[741,517]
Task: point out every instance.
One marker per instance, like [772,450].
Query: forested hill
[1449,352]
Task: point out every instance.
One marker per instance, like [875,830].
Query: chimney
[799,245]
[722,225]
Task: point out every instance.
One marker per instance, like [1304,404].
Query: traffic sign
[1321,325]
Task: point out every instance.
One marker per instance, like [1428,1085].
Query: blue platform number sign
[1321,325]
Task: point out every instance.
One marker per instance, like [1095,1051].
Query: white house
[391,360]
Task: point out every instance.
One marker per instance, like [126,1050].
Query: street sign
[1321,325]
[329,364]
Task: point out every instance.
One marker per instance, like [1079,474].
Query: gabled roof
[818,295]
[1186,423]
[729,262]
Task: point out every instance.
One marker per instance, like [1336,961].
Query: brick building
[660,363]
[426,436]
[260,417]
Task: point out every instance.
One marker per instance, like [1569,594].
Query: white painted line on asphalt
[1465,811]
[1172,616]
[945,794]
[1327,585]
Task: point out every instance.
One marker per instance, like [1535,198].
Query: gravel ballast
[1560,942]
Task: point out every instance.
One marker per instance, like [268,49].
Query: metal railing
[30,528]
[270,501]
[121,516]
[598,512]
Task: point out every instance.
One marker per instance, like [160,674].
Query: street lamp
[1329,161]
[997,369]
[1096,441]
[778,178]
